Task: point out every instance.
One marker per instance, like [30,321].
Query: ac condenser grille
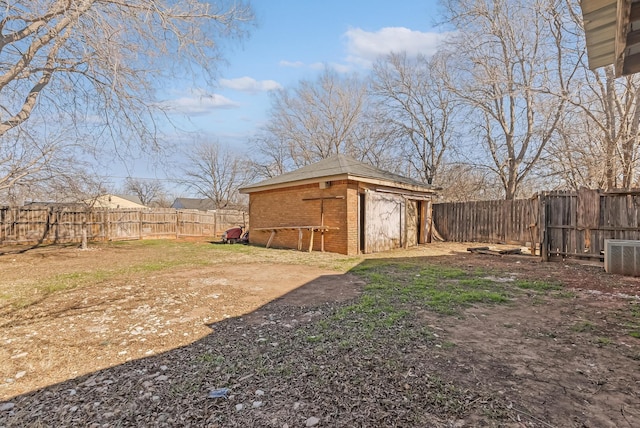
[622,257]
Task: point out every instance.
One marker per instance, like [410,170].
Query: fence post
[140,222]
[107,223]
[46,236]
[177,224]
[58,219]
[542,221]
[215,224]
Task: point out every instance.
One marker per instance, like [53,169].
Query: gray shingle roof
[193,204]
[335,166]
[130,198]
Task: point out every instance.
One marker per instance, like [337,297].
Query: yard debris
[312,421]
[5,407]
[219,393]
[492,252]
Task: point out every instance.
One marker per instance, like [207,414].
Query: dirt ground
[85,329]
[554,362]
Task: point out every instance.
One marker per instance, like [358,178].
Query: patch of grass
[583,327]
[394,288]
[447,345]
[634,324]
[450,300]
[314,338]
[68,281]
[209,358]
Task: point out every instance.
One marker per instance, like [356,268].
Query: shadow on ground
[326,354]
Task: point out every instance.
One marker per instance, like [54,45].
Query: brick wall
[288,207]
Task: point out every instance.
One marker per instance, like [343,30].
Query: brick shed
[339,205]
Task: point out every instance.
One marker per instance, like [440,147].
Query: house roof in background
[193,204]
[130,198]
[112,200]
[338,167]
[106,199]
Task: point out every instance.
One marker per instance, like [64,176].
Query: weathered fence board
[566,224]
[60,224]
[487,221]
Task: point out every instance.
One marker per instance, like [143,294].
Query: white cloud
[248,84]
[199,104]
[364,47]
[292,64]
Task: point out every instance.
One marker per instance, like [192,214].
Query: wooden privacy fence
[512,222]
[29,225]
[559,223]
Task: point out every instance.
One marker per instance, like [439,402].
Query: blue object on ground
[219,393]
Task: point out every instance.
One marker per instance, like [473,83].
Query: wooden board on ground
[487,250]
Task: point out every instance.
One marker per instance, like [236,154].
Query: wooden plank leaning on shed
[311,230]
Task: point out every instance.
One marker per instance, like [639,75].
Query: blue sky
[293,40]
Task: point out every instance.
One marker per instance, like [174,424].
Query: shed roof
[335,168]
[612,31]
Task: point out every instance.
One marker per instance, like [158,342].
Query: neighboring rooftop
[335,168]
[107,199]
[193,204]
[130,198]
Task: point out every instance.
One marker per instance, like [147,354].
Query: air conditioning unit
[622,257]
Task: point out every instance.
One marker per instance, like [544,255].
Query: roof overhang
[376,182]
[612,32]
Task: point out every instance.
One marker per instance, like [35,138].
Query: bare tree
[27,159]
[216,173]
[419,107]
[610,109]
[511,66]
[576,158]
[150,192]
[598,144]
[95,65]
[462,182]
[79,187]
[272,156]
[318,119]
